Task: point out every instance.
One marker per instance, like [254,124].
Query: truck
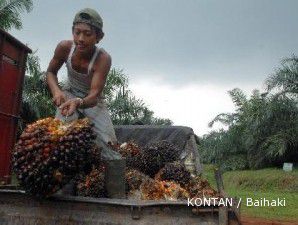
[19,208]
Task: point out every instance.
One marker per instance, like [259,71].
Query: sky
[181,57]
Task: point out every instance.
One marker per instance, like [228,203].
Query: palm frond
[224,118]
[285,78]
[32,66]
[238,97]
[10,12]
[275,145]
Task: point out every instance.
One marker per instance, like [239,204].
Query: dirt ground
[259,221]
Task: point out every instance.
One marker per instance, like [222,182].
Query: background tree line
[263,131]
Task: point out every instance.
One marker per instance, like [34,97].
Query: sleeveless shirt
[79,83]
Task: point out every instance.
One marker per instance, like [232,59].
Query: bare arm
[98,80]
[60,56]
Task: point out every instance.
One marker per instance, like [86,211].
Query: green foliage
[224,149]
[238,97]
[125,108]
[37,101]
[264,129]
[285,78]
[115,81]
[235,162]
[10,13]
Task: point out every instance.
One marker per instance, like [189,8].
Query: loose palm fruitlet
[49,153]
[162,190]
[156,155]
[199,187]
[92,185]
[174,172]
[134,179]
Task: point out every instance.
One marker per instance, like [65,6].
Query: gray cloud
[182,41]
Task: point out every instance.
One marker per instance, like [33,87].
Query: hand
[59,97]
[69,107]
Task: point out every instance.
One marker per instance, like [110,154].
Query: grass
[289,212]
[270,183]
[270,179]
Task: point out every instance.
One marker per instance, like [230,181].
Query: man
[87,70]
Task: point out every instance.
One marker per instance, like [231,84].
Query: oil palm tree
[10,13]
[37,101]
[285,78]
[264,127]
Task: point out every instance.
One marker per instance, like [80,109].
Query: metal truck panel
[13,56]
[20,209]
[7,137]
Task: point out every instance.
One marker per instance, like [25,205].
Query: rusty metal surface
[13,190]
[18,208]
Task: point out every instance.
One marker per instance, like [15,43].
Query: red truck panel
[9,88]
[7,134]
[12,69]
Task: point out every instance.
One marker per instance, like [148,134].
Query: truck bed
[18,208]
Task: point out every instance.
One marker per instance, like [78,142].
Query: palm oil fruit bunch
[129,149]
[49,153]
[94,158]
[199,187]
[132,152]
[156,155]
[134,179]
[175,171]
[92,185]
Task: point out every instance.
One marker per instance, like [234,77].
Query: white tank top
[79,83]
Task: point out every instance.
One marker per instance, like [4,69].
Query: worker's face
[84,37]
